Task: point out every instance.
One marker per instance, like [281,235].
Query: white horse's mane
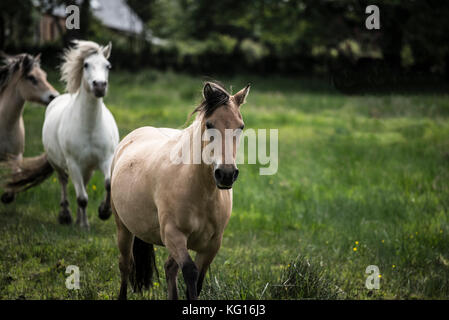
[72,67]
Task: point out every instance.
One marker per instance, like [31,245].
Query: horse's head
[223,120]
[96,71]
[86,64]
[33,84]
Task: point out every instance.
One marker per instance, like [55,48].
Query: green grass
[367,169]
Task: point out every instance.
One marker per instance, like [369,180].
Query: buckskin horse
[158,201]
[21,79]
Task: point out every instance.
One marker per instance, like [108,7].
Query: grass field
[362,180]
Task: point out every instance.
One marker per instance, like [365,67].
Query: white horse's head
[87,65]
[96,72]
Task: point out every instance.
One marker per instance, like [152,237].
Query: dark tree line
[295,36]
[17,25]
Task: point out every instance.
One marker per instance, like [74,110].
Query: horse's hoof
[65,218]
[8,197]
[104,211]
[122,297]
[83,225]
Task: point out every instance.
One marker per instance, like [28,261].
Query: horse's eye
[209,125]
[32,79]
[86,65]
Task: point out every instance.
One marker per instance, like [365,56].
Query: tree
[15,19]
[143,8]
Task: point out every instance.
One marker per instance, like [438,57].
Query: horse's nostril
[236,175]
[99,84]
[218,174]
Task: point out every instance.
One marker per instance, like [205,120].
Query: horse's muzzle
[225,176]
[99,88]
[48,97]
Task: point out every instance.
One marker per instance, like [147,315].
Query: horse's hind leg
[65,216]
[124,241]
[171,275]
[9,196]
[104,211]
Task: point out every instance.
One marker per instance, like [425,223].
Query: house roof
[114,14]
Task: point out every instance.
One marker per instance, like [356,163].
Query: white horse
[79,133]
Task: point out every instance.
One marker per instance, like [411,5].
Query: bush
[302,280]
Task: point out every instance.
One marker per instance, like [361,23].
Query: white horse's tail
[31,172]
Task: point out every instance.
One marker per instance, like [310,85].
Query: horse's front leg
[171,276]
[203,261]
[81,193]
[176,243]
[104,211]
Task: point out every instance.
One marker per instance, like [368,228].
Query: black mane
[11,64]
[215,95]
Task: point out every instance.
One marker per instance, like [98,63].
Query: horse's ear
[107,50]
[208,91]
[240,97]
[27,63]
[38,58]
[211,92]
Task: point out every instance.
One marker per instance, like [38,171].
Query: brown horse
[21,79]
[158,201]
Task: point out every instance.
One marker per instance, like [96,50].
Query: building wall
[48,28]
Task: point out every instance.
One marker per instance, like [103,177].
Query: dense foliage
[264,36]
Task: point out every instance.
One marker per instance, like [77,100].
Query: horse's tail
[30,173]
[144,266]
